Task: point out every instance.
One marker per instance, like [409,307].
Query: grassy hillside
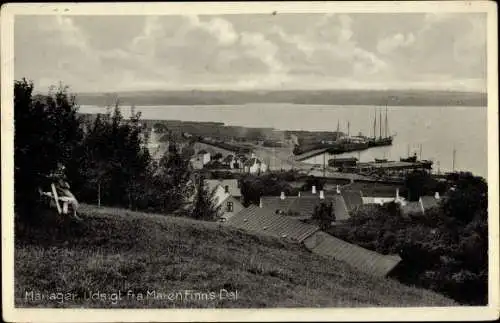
[114,249]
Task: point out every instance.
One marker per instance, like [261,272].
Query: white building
[227,195]
[254,166]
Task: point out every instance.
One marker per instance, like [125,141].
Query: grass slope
[115,249]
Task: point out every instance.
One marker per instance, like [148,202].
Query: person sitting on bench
[66,197]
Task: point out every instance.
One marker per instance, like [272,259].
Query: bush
[446,249]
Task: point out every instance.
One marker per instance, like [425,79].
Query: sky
[253,51]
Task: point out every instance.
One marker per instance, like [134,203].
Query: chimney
[436,196]
[260,203]
[338,189]
[322,195]
[314,189]
[282,196]
[397,193]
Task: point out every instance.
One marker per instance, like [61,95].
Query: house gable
[230,207]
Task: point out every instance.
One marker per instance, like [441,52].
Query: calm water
[436,129]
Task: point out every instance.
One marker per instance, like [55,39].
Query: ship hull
[380,142]
[348,147]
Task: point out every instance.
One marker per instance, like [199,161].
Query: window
[229,207]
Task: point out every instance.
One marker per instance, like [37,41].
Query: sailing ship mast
[380,123]
[386,126]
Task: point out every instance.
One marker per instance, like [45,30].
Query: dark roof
[275,203]
[429,202]
[232,184]
[304,205]
[340,210]
[353,199]
[265,221]
[360,258]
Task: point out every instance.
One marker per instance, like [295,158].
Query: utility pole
[420,152]
[453,161]
[324,164]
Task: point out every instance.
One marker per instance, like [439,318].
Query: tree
[204,207]
[323,214]
[113,165]
[46,131]
[313,181]
[468,196]
[419,182]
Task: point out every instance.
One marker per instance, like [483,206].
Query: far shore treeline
[309,97]
[445,250]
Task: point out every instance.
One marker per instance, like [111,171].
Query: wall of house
[237,207]
[254,168]
[377,200]
[206,158]
[196,163]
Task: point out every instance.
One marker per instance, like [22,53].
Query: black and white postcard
[250,161]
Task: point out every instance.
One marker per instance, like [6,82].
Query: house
[423,204]
[232,162]
[383,198]
[303,205]
[261,220]
[227,195]
[196,162]
[205,156]
[199,160]
[231,186]
[254,166]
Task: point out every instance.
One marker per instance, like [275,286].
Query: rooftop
[232,185]
[265,221]
[304,204]
[360,258]
[429,202]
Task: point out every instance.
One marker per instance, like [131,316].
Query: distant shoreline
[122,104]
[312,98]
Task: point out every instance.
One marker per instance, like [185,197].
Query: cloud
[253,51]
[389,44]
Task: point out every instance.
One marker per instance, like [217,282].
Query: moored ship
[383,139]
